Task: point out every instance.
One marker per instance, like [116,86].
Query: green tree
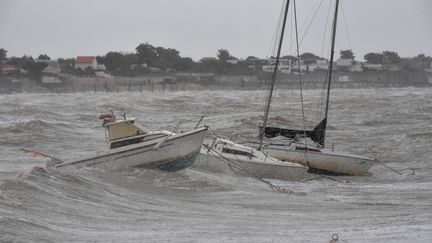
[34,69]
[374,58]
[185,64]
[307,58]
[43,57]
[223,55]
[146,53]
[88,71]
[391,57]
[167,58]
[346,54]
[113,61]
[251,58]
[67,65]
[423,61]
[2,54]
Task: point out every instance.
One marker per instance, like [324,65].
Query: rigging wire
[325,28]
[311,21]
[325,83]
[346,27]
[300,79]
[274,73]
[309,15]
[246,171]
[275,39]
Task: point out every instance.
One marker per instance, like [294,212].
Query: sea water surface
[40,204]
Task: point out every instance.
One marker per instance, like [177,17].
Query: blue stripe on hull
[180,163]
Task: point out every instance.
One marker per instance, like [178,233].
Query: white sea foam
[195,205]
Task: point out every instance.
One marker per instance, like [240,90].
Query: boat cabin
[229,147]
[126,132]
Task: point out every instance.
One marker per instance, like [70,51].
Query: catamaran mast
[330,66]
[273,76]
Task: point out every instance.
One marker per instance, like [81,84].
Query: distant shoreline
[210,81]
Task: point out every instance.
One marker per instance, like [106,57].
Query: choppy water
[39,204]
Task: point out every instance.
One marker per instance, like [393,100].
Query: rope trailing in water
[386,166]
[35,153]
[231,164]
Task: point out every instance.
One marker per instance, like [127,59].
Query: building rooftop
[84,59]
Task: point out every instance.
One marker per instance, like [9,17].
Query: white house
[208,59]
[357,67]
[303,68]
[84,62]
[233,61]
[372,66]
[391,67]
[429,70]
[268,68]
[102,74]
[284,68]
[50,74]
[281,68]
[344,64]
[344,78]
[321,64]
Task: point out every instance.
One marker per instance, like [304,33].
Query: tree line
[149,59]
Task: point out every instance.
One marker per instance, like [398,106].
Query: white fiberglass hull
[269,168]
[323,160]
[178,151]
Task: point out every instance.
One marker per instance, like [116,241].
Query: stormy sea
[393,203]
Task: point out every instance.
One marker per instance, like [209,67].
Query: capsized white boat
[318,159]
[131,145]
[246,160]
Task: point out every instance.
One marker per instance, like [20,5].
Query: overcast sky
[198,28]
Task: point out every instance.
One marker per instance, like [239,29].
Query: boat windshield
[237,152]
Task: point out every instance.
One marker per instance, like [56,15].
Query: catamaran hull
[174,153]
[325,160]
[278,170]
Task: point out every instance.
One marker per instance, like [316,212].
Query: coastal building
[50,74]
[268,68]
[344,78]
[84,62]
[233,61]
[208,59]
[321,64]
[344,64]
[303,68]
[429,70]
[46,61]
[7,69]
[285,68]
[356,67]
[372,66]
[391,67]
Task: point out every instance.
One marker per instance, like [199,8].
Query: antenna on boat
[330,68]
[273,77]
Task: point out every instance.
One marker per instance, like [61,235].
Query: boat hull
[271,169]
[326,160]
[171,153]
